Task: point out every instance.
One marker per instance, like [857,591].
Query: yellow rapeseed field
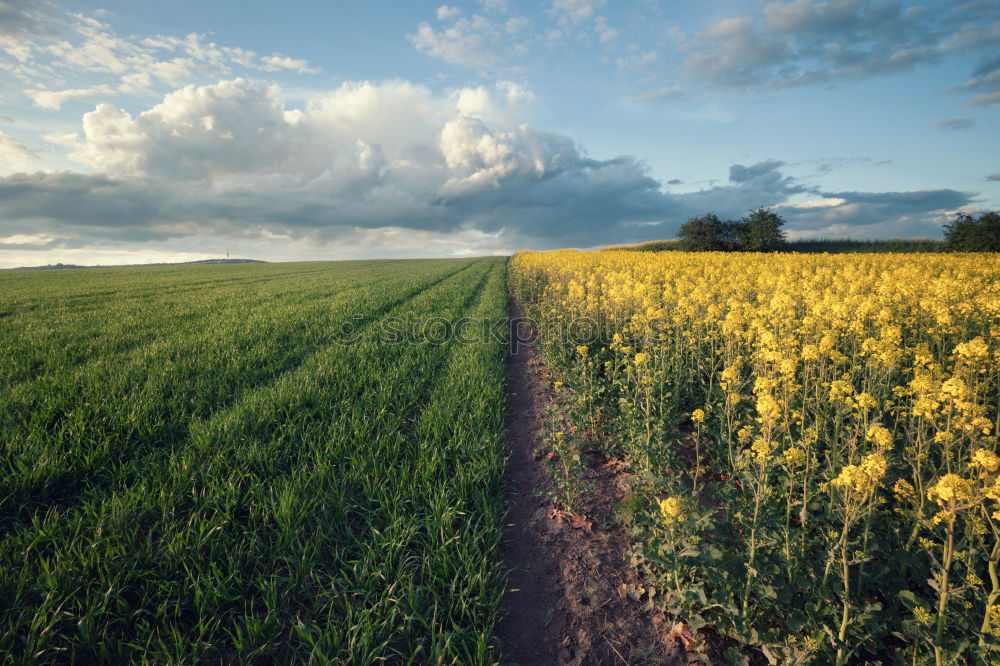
[813,438]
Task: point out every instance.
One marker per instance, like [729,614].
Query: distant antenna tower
[227,254]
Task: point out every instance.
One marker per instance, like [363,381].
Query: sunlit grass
[223,481]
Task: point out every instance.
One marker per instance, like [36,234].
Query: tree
[969,234]
[704,233]
[760,231]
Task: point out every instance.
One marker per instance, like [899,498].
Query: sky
[139,132]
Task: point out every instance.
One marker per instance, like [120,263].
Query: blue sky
[135,132]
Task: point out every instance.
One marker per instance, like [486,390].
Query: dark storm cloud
[200,163]
[806,42]
[760,184]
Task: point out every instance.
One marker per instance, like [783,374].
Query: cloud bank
[230,158]
[383,165]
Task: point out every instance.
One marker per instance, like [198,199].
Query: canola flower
[671,511]
[760,450]
[880,436]
[795,456]
[951,490]
[903,490]
[862,478]
[993,615]
[856,372]
[986,461]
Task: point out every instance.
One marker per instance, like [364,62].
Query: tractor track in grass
[75,487]
[349,510]
[133,338]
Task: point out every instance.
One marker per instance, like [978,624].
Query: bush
[706,233]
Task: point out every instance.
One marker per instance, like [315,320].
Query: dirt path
[564,604]
[530,604]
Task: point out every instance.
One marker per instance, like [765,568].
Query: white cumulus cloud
[365,155]
[384,164]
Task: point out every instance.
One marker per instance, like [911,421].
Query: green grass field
[195,469]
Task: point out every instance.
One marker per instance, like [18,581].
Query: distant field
[648,246]
[195,470]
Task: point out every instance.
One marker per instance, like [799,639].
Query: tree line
[969,234]
[761,231]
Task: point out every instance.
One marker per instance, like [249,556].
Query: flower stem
[949,551]
[994,592]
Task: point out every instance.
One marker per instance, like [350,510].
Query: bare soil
[567,600]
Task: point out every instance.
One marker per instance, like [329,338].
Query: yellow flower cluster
[903,490]
[862,478]
[865,400]
[761,449]
[950,489]
[840,391]
[974,349]
[795,456]
[923,615]
[768,409]
[880,436]
[671,511]
[985,460]
[993,615]
[744,434]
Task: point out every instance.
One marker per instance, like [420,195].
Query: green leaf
[695,622]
